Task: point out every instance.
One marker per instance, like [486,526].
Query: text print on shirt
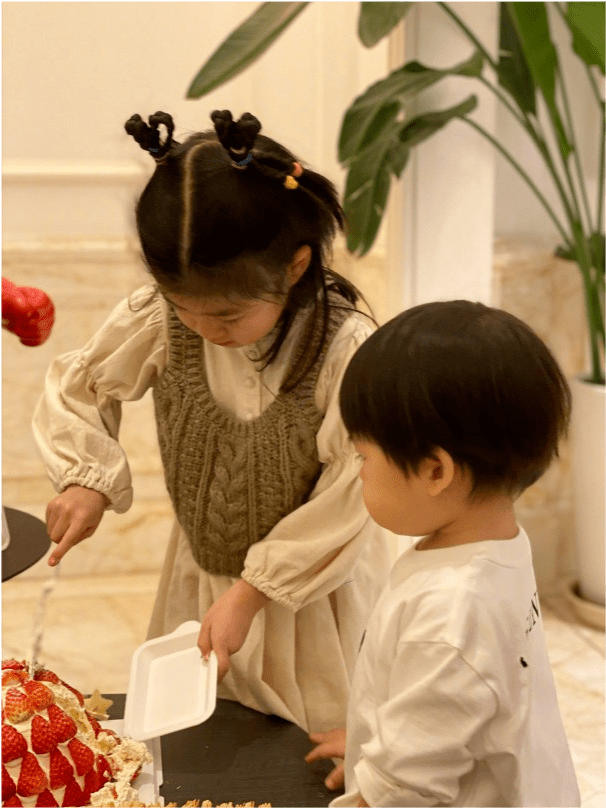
[533,613]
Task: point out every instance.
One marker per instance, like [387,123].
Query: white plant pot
[588,471]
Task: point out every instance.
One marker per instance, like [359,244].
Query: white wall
[73,73]
[441,214]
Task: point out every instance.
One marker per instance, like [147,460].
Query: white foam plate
[171,687]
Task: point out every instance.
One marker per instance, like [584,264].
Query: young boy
[455,409]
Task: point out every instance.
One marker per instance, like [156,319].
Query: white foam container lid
[171,687]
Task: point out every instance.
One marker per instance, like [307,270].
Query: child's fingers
[70,538]
[222,663]
[325,750]
[336,779]
[204,643]
[320,752]
[323,737]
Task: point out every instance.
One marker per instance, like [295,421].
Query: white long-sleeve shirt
[453,700]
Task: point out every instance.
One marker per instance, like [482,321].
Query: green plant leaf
[367,188]
[244,45]
[363,120]
[513,72]
[369,176]
[597,249]
[427,124]
[377,20]
[532,28]
[586,22]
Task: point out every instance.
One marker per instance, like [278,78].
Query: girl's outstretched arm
[77,420]
[227,623]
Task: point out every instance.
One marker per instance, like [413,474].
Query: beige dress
[322,566]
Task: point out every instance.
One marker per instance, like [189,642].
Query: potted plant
[378,133]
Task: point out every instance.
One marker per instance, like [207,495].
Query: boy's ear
[440,471]
[299,264]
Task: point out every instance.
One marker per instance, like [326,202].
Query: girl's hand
[330,744]
[227,623]
[72,516]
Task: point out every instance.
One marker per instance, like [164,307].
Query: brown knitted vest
[231,481]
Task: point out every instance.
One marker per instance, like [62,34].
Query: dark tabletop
[29,542]
[240,755]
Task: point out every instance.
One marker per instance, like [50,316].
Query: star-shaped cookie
[97,705]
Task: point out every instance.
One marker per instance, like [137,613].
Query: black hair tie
[236,137]
[148,137]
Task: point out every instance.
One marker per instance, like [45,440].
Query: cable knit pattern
[231,481]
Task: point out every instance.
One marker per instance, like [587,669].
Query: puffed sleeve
[312,551]
[77,420]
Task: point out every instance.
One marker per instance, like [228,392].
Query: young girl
[244,338]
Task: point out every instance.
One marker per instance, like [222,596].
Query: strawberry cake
[54,752]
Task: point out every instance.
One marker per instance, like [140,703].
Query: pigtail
[148,136]
[236,137]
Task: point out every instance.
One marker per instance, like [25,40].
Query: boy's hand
[72,516]
[227,623]
[330,744]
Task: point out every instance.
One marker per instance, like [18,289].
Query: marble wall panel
[546,292]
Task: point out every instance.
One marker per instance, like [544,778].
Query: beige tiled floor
[93,624]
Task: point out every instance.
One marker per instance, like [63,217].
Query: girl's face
[230,323]
[234,322]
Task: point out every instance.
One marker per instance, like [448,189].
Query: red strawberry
[47,676]
[13,677]
[83,756]
[14,745]
[76,693]
[32,779]
[40,696]
[13,802]
[13,665]
[92,782]
[42,737]
[46,800]
[74,795]
[104,770]
[97,728]
[17,707]
[63,726]
[61,770]
[9,789]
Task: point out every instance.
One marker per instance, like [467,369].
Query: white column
[440,226]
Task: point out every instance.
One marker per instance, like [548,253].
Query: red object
[9,789]
[32,779]
[14,745]
[27,312]
[42,737]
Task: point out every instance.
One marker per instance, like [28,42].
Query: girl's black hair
[224,214]
[472,380]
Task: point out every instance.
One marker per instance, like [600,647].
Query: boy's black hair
[472,380]
[218,218]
